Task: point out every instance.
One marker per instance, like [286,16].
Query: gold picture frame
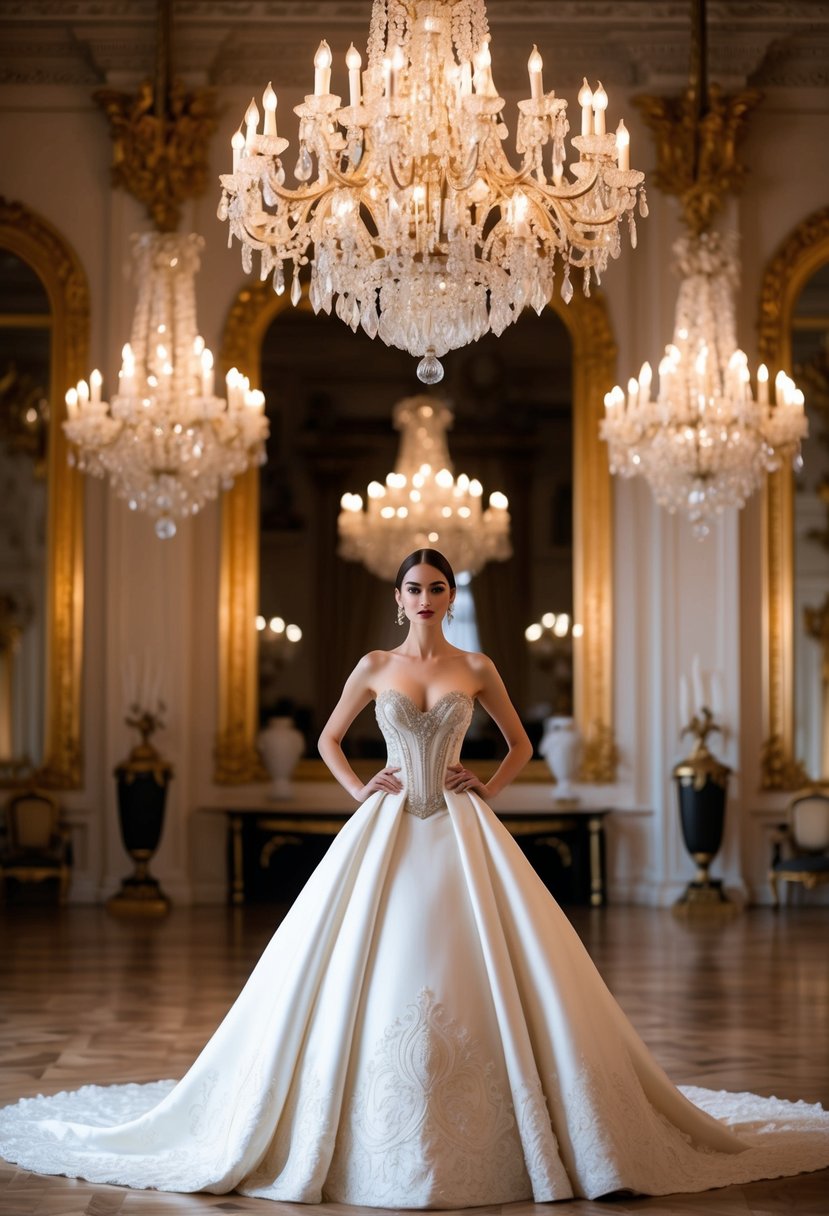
[793,264]
[594,360]
[46,251]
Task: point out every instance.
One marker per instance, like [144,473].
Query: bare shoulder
[372,662]
[478,662]
[480,666]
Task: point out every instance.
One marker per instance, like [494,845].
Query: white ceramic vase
[281,745]
[560,746]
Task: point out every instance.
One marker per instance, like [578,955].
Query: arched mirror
[44,322]
[525,409]
[794,335]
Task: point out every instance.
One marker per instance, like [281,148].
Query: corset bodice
[423,743]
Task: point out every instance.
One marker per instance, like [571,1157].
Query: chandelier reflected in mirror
[407,208]
[422,504]
[167,443]
[700,436]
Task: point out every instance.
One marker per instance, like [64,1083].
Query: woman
[425,1028]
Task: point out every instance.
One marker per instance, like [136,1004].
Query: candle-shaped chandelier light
[422,504]
[407,207]
[545,638]
[166,442]
[700,436]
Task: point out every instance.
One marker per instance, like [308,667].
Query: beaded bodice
[423,743]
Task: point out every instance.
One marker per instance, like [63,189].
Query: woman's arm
[356,694]
[494,697]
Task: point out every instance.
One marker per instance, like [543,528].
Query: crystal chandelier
[167,443]
[407,207]
[422,504]
[701,439]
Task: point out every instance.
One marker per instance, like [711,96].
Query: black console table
[573,832]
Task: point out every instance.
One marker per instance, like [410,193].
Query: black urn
[702,791]
[142,780]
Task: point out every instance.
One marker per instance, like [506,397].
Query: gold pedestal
[704,897]
[140,894]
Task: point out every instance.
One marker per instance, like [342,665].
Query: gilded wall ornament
[600,756]
[160,152]
[697,158]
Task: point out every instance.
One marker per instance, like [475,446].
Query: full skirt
[425,1029]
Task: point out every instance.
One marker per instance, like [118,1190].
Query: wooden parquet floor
[85,998]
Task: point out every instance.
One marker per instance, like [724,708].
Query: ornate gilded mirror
[44,322]
[794,335]
[342,447]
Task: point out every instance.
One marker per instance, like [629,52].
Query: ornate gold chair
[800,847]
[36,845]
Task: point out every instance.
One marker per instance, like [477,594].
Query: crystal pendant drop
[303,165]
[430,368]
[296,289]
[165,527]
[567,287]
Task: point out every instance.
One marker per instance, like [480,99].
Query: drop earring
[401,615]
[450,615]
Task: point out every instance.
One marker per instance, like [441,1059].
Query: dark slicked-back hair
[425,557]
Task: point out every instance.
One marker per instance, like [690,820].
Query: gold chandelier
[407,209]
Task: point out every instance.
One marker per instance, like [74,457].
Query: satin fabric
[424,1029]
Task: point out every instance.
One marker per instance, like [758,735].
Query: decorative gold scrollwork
[600,756]
[697,155]
[160,158]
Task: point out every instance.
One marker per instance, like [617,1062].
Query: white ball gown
[424,1029]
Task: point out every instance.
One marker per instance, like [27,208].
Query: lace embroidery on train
[423,743]
[428,1120]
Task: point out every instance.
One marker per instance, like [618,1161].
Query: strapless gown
[424,1029]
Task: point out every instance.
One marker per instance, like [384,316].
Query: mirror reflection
[25,372]
[330,396]
[810,359]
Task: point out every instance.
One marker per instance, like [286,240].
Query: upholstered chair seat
[800,847]
[36,846]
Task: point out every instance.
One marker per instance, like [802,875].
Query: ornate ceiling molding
[628,41]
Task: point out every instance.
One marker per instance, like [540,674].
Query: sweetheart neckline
[424,712]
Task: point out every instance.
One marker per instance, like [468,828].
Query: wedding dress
[424,1029]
